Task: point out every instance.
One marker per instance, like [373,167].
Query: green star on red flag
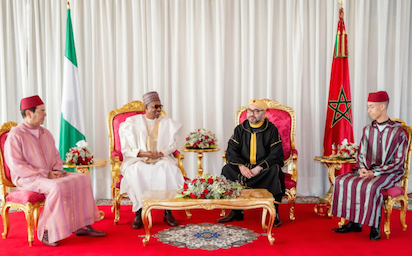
[338,112]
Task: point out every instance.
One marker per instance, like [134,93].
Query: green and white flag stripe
[72,128]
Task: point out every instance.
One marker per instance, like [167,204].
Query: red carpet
[308,235]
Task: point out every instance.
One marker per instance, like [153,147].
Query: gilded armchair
[283,118]
[115,118]
[27,201]
[398,193]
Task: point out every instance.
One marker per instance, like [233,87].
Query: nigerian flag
[72,122]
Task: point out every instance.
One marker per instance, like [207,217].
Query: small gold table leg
[84,170]
[147,223]
[199,164]
[272,216]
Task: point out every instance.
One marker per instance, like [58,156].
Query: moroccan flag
[339,112]
[72,127]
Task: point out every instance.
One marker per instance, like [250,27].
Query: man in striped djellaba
[357,196]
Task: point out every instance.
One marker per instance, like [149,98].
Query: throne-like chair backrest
[5,178]
[118,116]
[283,118]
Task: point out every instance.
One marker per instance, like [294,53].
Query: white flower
[347,149]
[79,155]
[82,144]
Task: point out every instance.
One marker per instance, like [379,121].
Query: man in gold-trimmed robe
[255,157]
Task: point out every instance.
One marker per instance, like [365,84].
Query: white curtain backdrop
[206,58]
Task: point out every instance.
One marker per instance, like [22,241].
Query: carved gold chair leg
[341,222]
[404,208]
[223,212]
[36,217]
[388,213]
[188,214]
[113,199]
[28,212]
[117,207]
[6,220]
[291,194]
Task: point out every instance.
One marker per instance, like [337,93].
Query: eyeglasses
[254,111]
[156,106]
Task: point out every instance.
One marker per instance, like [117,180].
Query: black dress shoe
[375,234]
[170,220]
[277,222]
[233,215]
[350,227]
[45,240]
[89,231]
[137,222]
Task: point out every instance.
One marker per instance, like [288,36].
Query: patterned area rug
[206,236]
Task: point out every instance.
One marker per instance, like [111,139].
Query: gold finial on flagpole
[68,5]
[341,2]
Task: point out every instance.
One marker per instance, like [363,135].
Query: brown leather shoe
[89,231]
[170,220]
[45,240]
[137,223]
[233,215]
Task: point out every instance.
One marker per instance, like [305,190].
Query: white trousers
[139,177]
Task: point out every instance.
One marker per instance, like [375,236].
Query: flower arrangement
[201,139]
[209,187]
[347,150]
[79,155]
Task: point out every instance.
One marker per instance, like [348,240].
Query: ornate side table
[333,164]
[200,156]
[84,168]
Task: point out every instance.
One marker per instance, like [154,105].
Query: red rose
[230,192]
[183,192]
[185,186]
[210,181]
[206,191]
[192,195]
[193,181]
[206,137]
[202,196]
[187,138]
[202,180]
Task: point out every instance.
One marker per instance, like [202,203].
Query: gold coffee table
[249,199]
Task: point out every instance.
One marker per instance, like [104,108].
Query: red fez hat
[30,102]
[380,96]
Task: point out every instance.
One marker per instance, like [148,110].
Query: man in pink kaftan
[35,165]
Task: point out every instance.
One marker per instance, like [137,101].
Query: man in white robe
[148,142]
